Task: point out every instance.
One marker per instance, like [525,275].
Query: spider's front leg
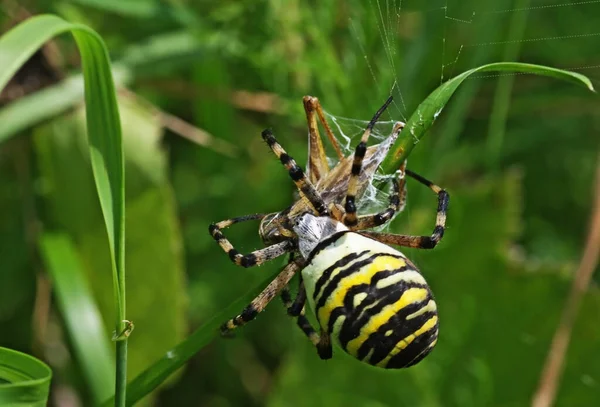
[420,242]
[303,184]
[255,258]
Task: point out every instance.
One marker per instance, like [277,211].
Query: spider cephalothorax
[366,295]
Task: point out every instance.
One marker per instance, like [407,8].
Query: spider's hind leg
[259,303]
[254,258]
[296,309]
[300,316]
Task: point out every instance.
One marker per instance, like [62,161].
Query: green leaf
[82,318]
[104,128]
[24,380]
[172,49]
[17,273]
[422,119]
[47,103]
[156,276]
[104,137]
[176,357]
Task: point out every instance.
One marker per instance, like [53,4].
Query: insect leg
[317,159]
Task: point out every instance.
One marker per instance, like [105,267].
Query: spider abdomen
[372,300]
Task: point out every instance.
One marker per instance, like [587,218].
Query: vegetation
[198,82]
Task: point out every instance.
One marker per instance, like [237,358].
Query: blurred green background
[199,81]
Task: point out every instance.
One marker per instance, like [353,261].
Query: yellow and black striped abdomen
[372,300]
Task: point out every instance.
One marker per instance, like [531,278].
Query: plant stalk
[121,377]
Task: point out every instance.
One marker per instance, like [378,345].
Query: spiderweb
[464,35]
[348,132]
[467,35]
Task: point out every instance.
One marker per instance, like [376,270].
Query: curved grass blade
[46,103]
[104,137]
[170,49]
[83,319]
[24,380]
[175,358]
[422,119]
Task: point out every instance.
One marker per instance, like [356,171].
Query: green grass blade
[45,104]
[175,358]
[24,380]
[104,138]
[154,262]
[20,43]
[422,119]
[170,49]
[82,317]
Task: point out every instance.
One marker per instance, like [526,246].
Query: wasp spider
[366,295]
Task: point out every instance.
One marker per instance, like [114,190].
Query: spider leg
[317,159]
[259,303]
[420,242]
[296,309]
[303,184]
[254,258]
[300,315]
[350,219]
[397,203]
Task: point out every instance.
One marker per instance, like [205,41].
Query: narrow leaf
[24,380]
[154,262]
[422,119]
[175,358]
[45,104]
[104,137]
[83,320]
[173,49]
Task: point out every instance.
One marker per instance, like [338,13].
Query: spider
[366,295]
